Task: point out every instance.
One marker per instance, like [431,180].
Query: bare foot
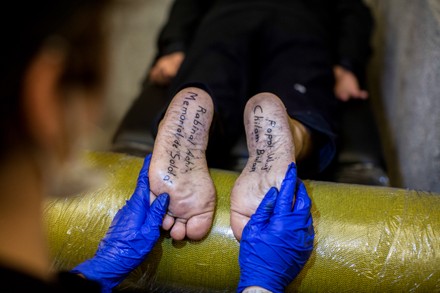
[178,165]
[271,150]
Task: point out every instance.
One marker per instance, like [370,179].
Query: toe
[168,222]
[178,231]
[198,226]
[238,221]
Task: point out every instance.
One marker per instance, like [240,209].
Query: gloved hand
[132,235]
[278,239]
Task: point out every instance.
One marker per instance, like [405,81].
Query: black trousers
[237,54]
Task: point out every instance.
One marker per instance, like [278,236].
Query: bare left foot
[178,165]
[271,150]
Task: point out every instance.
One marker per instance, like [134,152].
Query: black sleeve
[183,18]
[70,282]
[355,25]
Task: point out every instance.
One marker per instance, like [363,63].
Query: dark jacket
[16,281]
[344,24]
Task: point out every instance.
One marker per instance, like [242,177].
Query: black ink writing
[263,157]
[171,170]
[174,156]
[196,123]
[188,160]
[258,108]
[257,160]
[257,127]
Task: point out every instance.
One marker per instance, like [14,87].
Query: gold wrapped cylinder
[368,239]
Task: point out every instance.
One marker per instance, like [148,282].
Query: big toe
[198,226]
[238,222]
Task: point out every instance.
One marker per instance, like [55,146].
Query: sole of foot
[178,165]
[271,150]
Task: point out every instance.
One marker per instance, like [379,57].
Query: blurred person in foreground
[52,80]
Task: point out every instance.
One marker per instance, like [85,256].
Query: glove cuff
[88,270]
[266,280]
[256,283]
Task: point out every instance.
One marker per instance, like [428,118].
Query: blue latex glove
[278,239]
[132,235]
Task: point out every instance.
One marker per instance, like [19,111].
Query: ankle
[301,139]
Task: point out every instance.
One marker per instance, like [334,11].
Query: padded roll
[368,239]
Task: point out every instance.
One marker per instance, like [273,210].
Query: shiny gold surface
[368,239]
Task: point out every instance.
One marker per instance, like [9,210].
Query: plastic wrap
[368,239]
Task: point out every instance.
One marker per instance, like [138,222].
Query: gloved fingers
[303,202]
[140,200]
[158,209]
[143,173]
[284,202]
[265,209]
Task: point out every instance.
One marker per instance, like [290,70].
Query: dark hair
[26,27]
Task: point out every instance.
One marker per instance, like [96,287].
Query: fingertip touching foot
[179,168]
[278,240]
[271,149]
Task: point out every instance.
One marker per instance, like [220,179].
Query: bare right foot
[178,165]
[271,150]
